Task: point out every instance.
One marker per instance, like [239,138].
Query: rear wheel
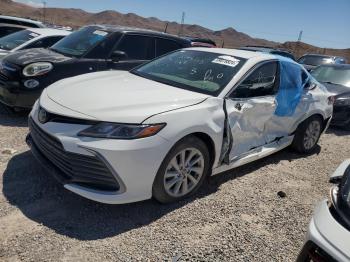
[307,135]
[183,171]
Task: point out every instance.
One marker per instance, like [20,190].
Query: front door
[139,49]
[250,107]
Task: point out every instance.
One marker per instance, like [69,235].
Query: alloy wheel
[312,134]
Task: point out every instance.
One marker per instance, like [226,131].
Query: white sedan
[161,129]
[30,38]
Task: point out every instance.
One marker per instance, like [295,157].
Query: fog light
[31,83]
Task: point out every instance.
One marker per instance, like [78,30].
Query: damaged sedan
[161,129]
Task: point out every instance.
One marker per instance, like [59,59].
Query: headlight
[121,131]
[37,69]
[342,101]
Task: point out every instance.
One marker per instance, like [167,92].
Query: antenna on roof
[182,24]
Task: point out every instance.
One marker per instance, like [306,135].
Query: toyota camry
[161,129]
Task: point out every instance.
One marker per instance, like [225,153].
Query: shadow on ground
[10,118]
[27,186]
[338,131]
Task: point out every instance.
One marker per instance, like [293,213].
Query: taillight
[331,100]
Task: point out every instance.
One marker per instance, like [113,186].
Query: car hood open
[26,57]
[118,96]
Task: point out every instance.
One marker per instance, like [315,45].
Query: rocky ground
[237,216]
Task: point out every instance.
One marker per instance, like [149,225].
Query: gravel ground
[237,216]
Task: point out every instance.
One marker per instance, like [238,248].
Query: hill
[228,37]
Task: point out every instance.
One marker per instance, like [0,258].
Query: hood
[25,57]
[336,89]
[119,96]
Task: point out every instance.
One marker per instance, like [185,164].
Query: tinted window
[12,41]
[80,42]
[164,46]
[262,82]
[336,75]
[45,42]
[198,71]
[102,50]
[138,47]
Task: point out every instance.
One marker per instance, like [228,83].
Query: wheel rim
[184,172]
[312,134]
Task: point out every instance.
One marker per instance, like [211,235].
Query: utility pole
[166,27]
[298,43]
[44,11]
[182,24]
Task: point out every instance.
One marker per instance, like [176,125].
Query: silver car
[328,237]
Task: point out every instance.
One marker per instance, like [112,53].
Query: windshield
[315,60]
[80,42]
[12,41]
[335,75]
[197,71]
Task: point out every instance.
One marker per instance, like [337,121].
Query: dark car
[336,78]
[270,50]
[311,61]
[7,29]
[24,74]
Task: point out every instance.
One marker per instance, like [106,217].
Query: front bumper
[11,95]
[327,236]
[134,163]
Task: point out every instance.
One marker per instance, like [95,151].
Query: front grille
[84,170]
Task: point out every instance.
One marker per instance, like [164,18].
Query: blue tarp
[291,88]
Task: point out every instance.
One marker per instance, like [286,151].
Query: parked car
[13,20]
[7,29]
[30,38]
[329,231]
[91,49]
[162,128]
[270,50]
[336,78]
[311,61]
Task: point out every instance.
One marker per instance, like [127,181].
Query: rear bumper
[12,96]
[341,116]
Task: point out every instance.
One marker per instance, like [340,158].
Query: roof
[236,52]
[22,20]
[49,31]
[320,55]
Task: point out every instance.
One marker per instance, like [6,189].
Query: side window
[138,47]
[262,81]
[44,42]
[164,46]
[8,30]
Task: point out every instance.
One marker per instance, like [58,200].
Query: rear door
[138,49]
[250,106]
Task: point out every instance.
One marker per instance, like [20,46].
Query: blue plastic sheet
[291,88]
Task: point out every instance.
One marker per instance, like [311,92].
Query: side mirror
[118,56]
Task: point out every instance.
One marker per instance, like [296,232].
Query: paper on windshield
[226,60]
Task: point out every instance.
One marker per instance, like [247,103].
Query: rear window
[315,60]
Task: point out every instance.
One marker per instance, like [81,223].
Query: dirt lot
[237,216]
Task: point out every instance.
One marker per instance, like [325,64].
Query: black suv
[24,74]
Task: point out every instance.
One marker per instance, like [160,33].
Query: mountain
[228,37]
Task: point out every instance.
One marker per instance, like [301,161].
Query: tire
[172,172]
[311,127]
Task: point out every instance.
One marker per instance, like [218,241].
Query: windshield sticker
[101,33]
[34,34]
[226,60]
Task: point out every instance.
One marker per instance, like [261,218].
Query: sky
[325,23]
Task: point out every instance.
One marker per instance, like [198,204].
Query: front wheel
[307,135]
[183,171]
